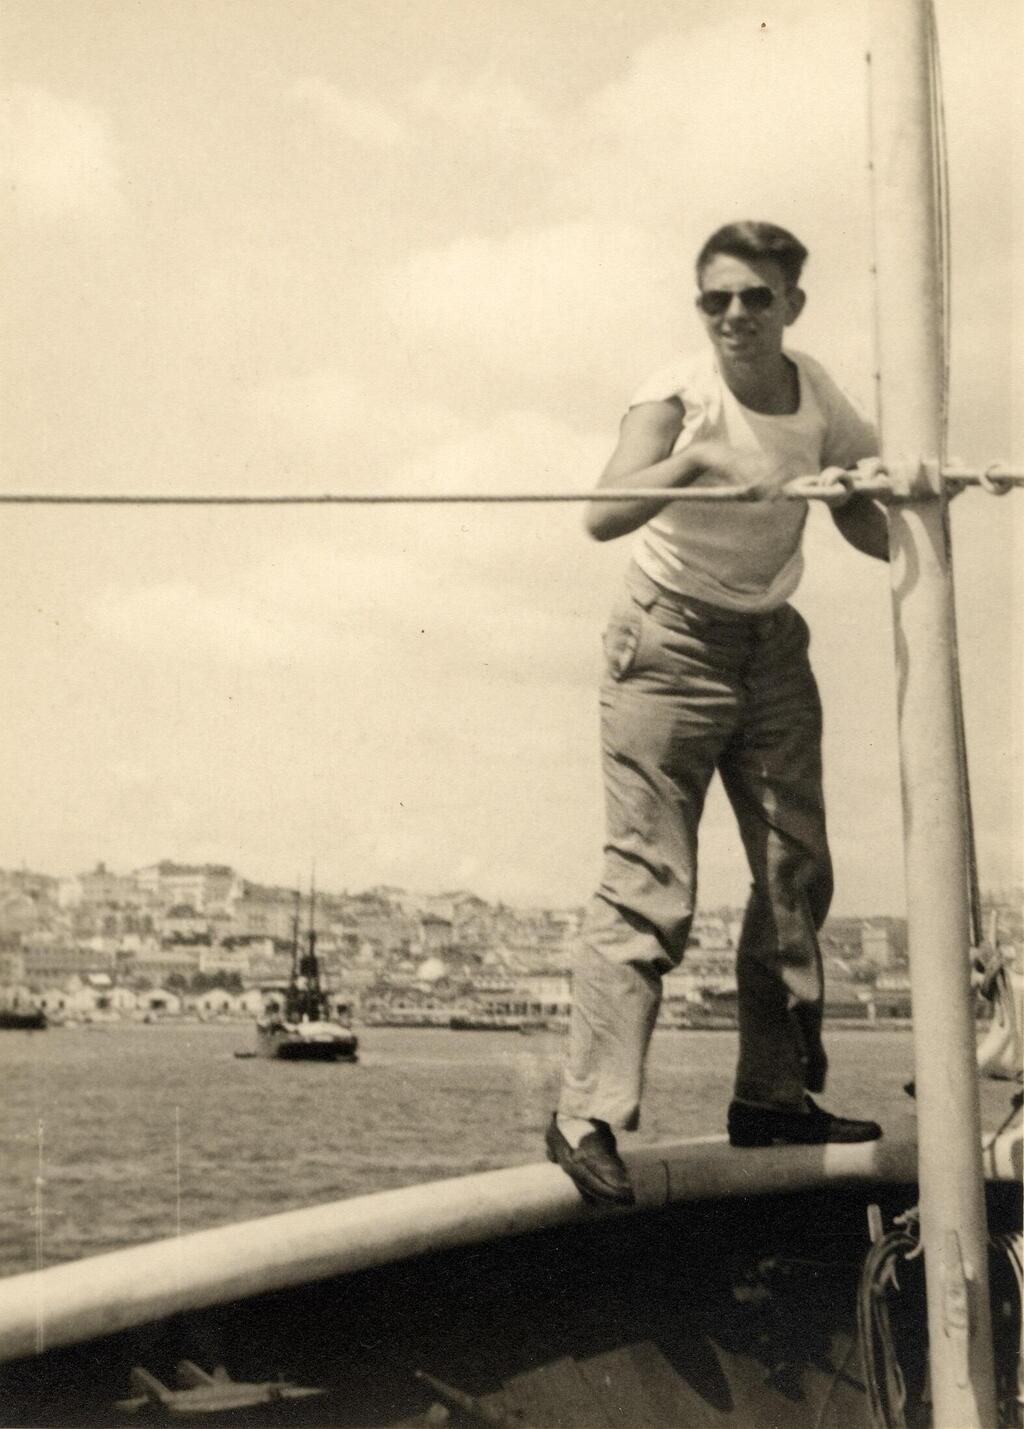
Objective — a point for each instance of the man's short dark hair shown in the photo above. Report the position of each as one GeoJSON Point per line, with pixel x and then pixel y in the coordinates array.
{"type": "Point", "coordinates": [756, 242]}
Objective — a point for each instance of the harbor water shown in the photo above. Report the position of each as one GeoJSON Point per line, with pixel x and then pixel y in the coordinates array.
{"type": "Point", "coordinates": [114, 1134]}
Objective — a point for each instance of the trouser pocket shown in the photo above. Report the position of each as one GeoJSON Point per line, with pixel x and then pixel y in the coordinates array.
{"type": "Point", "coordinates": [622, 639]}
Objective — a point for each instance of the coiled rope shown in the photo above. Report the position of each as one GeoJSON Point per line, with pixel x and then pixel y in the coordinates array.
{"type": "Point", "coordinates": [886, 1387]}
{"type": "Point", "coordinates": [884, 1379]}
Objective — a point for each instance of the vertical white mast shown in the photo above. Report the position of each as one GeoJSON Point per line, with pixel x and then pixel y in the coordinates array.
{"type": "Point", "coordinates": [910, 357]}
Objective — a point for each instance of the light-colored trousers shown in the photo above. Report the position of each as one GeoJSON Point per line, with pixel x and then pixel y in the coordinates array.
{"type": "Point", "coordinates": [690, 688]}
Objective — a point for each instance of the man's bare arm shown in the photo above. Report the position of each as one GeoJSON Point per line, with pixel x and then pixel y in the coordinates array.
{"type": "Point", "coordinates": [644, 458]}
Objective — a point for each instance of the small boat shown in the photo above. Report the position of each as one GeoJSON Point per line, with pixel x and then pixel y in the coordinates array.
{"type": "Point", "coordinates": [16, 1019]}
{"type": "Point", "coordinates": [297, 1037]}
{"type": "Point", "coordinates": [301, 1022]}
{"type": "Point", "coordinates": [483, 1022]}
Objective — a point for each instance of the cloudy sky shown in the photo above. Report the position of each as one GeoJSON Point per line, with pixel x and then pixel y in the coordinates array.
{"type": "Point", "coordinates": [309, 245]}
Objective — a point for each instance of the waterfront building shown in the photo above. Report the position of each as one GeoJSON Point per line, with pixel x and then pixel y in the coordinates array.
{"type": "Point", "coordinates": [876, 944]}
{"type": "Point", "coordinates": [156, 965]}
{"type": "Point", "coordinates": [546, 997]}
{"type": "Point", "coordinates": [121, 999]}
{"type": "Point", "coordinates": [20, 914]}
{"type": "Point", "coordinates": [12, 968]}
{"type": "Point", "coordinates": [369, 917]}
{"type": "Point", "coordinates": [436, 933]}
{"type": "Point", "coordinates": [431, 970]}
{"type": "Point", "coordinates": [540, 999]}
{"type": "Point", "coordinates": [263, 911]}
{"type": "Point", "coordinates": [42, 888]}
{"type": "Point", "coordinates": [203, 887]}
{"type": "Point", "coordinates": [102, 888]}
{"type": "Point", "coordinates": [710, 931]}
{"type": "Point", "coordinates": [849, 999]}
{"type": "Point", "coordinates": [219, 959]}
{"type": "Point", "coordinates": [181, 923]}
{"type": "Point", "coordinates": [267, 967]}
{"type": "Point", "coordinates": [216, 1002]}
{"type": "Point", "coordinates": [160, 1002]}
{"type": "Point", "coordinates": [18, 997]}
{"type": "Point", "coordinates": [52, 1000]}
{"type": "Point", "coordinates": [567, 921]}
{"type": "Point", "coordinates": [681, 987]}
{"type": "Point", "coordinates": [87, 997]}
{"type": "Point", "coordinates": [250, 1002]}
{"type": "Point", "coordinates": [892, 994]}
{"type": "Point", "coordinates": [54, 962]}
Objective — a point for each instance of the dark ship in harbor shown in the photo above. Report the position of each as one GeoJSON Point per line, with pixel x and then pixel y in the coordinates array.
{"type": "Point", "coordinates": [301, 1021]}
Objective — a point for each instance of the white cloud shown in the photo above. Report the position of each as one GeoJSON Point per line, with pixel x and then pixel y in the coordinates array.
{"type": "Point", "coordinates": [318, 406]}
{"type": "Point", "coordinates": [728, 120]}
{"type": "Point", "coordinates": [61, 159]}
{"type": "Point", "coordinates": [484, 106]}
{"type": "Point", "coordinates": [515, 566]}
{"type": "Point", "coordinates": [364, 121]}
{"type": "Point", "coordinates": [722, 121]}
{"type": "Point", "coordinates": [481, 109]}
{"type": "Point", "coordinates": [569, 302]}
{"type": "Point", "coordinates": [474, 591]}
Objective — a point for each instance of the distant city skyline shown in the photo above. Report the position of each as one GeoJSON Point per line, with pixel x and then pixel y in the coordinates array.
{"type": "Point", "coordinates": [1011, 896]}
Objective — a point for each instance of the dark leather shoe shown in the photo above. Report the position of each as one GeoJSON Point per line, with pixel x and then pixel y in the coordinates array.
{"type": "Point", "coordinates": [595, 1166]}
{"type": "Point", "coordinates": [765, 1126]}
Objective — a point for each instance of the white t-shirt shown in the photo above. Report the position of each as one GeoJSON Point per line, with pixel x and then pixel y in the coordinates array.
{"type": "Point", "coordinates": [745, 555]}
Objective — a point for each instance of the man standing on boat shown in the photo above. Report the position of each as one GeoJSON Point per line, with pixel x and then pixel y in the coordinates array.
{"type": "Point", "coordinates": [707, 668]}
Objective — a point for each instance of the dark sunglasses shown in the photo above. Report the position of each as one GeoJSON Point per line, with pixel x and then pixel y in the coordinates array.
{"type": "Point", "coordinates": [715, 300]}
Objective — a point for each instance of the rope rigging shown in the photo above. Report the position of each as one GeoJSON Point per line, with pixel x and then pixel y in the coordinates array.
{"type": "Point", "coordinates": [886, 1379]}
{"type": "Point", "coordinates": [834, 487]}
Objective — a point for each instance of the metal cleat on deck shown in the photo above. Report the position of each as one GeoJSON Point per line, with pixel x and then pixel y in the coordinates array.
{"type": "Point", "coordinates": [202, 1393]}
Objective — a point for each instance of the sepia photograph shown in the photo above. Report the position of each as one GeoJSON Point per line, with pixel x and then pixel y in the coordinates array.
{"type": "Point", "coordinates": [512, 776]}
